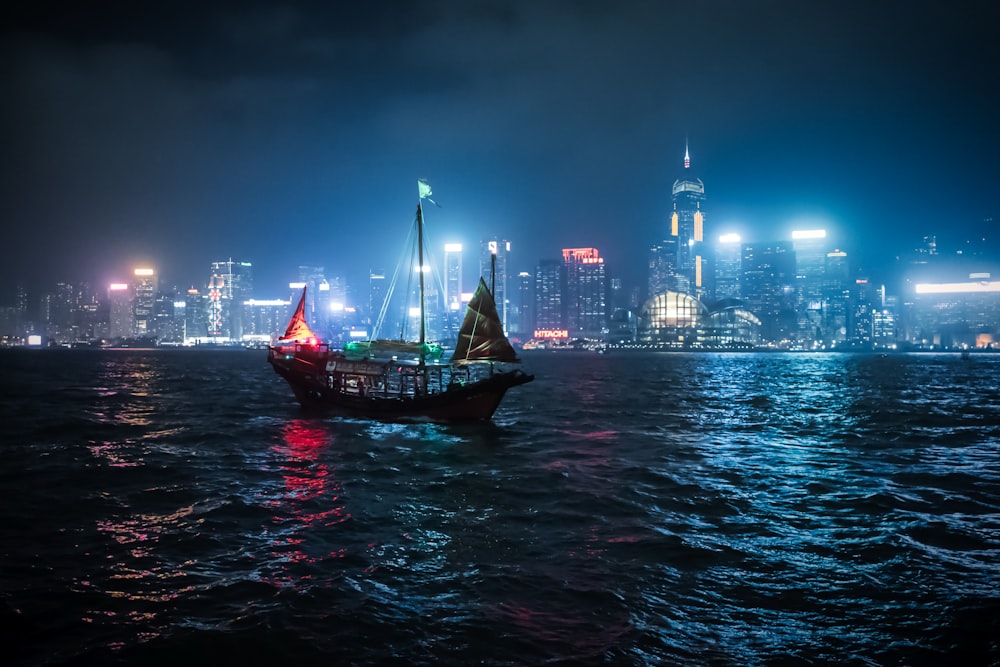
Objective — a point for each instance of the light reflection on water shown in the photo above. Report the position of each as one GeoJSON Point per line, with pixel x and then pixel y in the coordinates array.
{"type": "Point", "coordinates": [309, 503]}
{"type": "Point", "coordinates": [126, 390]}
{"type": "Point", "coordinates": [622, 509]}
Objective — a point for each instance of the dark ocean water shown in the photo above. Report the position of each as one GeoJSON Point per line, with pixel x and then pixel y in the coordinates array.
{"type": "Point", "coordinates": [172, 507]}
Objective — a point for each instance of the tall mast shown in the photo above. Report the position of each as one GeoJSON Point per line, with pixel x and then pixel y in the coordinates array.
{"type": "Point", "coordinates": [493, 269]}
{"type": "Point", "coordinates": [420, 269]}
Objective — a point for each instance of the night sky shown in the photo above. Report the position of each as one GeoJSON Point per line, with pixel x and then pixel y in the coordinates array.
{"type": "Point", "coordinates": [285, 133]}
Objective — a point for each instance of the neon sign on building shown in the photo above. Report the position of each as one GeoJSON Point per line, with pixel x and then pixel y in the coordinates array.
{"type": "Point", "coordinates": [551, 333]}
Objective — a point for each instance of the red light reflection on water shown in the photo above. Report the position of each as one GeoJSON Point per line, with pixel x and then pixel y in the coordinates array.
{"type": "Point", "coordinates": [309, 504]}
{"type": "Point", "coordinates": [303, 443]}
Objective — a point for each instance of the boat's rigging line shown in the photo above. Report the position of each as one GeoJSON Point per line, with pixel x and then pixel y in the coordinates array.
{"type": "Point", "coordinates": [393, 283]}
{"type": "Point", "coordinates": [390, 290]}
{"type": "Point", "coordinates": [475, 326]}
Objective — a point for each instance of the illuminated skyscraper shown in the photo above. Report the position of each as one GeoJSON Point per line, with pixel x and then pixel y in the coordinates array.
{"type": "Point", "coordinates": [122, 319]}
{"type": "Point", "coordinates": [867, 303]}
{"type": "Point", "coordinates": [521, 309]}
{"type": "Point", "coordinates": [196, 315]}
{"type": "Point", "coordinates": [230, 285]}
{"type": "Point", "coordinates": [376, 296]}
{"type": "Point", "coordinates": [21, 299]}
{"type": "Point", "coordinates": [144, 287]}
{"type": "Point", "coordinates": [453, 277]}
{"type": "Point", "coordinates": [769, 287]}
{"type": "Point", "coordinates": [662, 266]}
{"type": "Point", "coordinates": [169, 319]}
{"type": "Point", "coordinates": [266, 318]}
{"type": "Point", "coordinates": [549, 288]}
{"type": "Point", "coordinates": [678, 262]}
{"type": "Point", "coordinates": [687, 225]}
{"type": "Point", "coordinates": [836, 298]}
{"type": "Point", "coordinates": [453, 288]}
{"type": "Point", "coordinates": [217, 306]}
{"type": "Point", "coordinates": [586, 292]}
{"type": "Point", "coordinates": [728, 263]}
{"type": "Point", "coordinates": [58, 310]}
{"type": "Point", "coordinates": [810, 265]}
{"type": "Point", "coordinates": [884, 326]}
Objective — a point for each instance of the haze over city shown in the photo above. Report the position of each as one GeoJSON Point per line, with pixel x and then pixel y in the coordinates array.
{"type": "Point", "coordinates": [290, 133]}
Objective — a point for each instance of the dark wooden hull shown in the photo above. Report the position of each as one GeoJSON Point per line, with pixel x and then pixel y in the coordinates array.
{"type": "Point", "coordinates": [469, 402]}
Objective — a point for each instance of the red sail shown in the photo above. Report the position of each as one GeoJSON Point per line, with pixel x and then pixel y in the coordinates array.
{"type": "Point", "coordinates": [481, 337]}
{"type": "Point", "coordinates": [297, 329]}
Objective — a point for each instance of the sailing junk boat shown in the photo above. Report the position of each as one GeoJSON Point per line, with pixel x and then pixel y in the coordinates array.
{"type": "Point", "coordinates": [395, 380]}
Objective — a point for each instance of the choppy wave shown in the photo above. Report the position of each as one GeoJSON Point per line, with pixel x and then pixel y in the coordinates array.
{"type": "Point", "coordinates": [622, 509]}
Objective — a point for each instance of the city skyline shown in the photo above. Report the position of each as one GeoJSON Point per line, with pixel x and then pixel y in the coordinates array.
{"type": "Point", "coordinates": [471, 263]}
{"type": "Point", "coordinates": [290, 133]}
{"type": "Point", "coordinates": [795, 293]}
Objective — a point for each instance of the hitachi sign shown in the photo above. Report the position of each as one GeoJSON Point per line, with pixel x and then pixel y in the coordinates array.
{"type": "Point", "coordinates": [551, 333]}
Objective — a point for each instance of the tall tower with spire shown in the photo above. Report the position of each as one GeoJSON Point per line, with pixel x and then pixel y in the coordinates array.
{"type": "Point", "coordinates": [678, 262]}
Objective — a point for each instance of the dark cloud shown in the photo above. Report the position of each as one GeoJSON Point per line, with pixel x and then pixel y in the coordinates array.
{"type": "Point", "coordinates": [185, 133]}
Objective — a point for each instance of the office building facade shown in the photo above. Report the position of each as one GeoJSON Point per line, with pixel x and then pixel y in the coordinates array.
{"type": "Point", "coordinates": [586, 293]}
{"type": "Point", "coordinates": [768, 288]}
{"type": "Point", "coordinates": [548, 299]}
